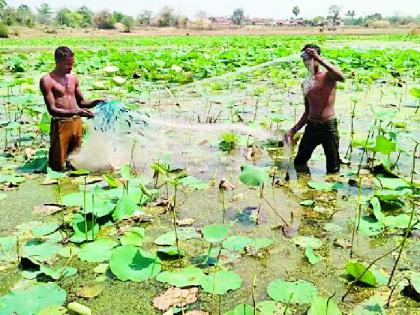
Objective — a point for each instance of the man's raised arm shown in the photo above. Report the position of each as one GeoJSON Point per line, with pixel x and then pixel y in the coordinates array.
{"type": "Point", "coordinates": [334, 73]}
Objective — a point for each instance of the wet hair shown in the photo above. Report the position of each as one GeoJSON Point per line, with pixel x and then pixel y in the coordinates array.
{"type": "Point", "coordinates": [313, 46]}
{"type": "Point", "coordinates": [62, 53]}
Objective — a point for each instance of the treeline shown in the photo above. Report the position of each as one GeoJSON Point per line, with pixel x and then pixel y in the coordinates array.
{"type": "Point", "coordinates": [83, 17]}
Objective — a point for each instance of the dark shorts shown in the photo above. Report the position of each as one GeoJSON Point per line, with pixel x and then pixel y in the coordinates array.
{"type": "Point", "coordinates": [316, 133]}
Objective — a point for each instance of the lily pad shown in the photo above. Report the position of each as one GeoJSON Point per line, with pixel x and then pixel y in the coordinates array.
{"type": "Point", "coordinates": [253, 176]}
{"type": "Point", "coordinates": [237, 243]}
{"type": "Point", "coordinates": [297, 292]}
{"type": "Point", "coordinates": [80, 227]}
{"type": "Point", "coordinates": [355, 269]}
{"type": "Point", "coordinates": [372, 306]}
{"type": "Point", "coordinates": [133, 237]}
{"type": "Point", "coordinates": [189, 276]}
{"type": "Point", "coordinates": [125, 207]}
{"type": "Point", "coordinates": [305, 241]}
{"type": "Point", "coordinates": [169, 239]}
{"type": "Point", "coordinates": [131, 263]}
{"type": "Point", "coordinates": [310, 254]}
{"type": "Point", "coordinates": [32, 299]}
{"type": "Point", "coordinates": [215, 233]}
{"type": "Point", "coordinates": [322, 305]}
{"type": "Point", "coordinates": [220, 282]}
{"type": "Point", "coordinates": [193, 182]}
{"type": "Point", "coordinates": [98, 251]}
{"type": "Point", "coordinates": [58, 273]}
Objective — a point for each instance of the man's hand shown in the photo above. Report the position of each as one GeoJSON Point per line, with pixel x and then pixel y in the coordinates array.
{"type": "Point", "coordinates": [84, 113]}
{"type": "Point", "coordinates": [288, 137]}
{"type": "Point", "coordinates": [96, 102]}
{"type": "Point", "coordinates": [313, 54]}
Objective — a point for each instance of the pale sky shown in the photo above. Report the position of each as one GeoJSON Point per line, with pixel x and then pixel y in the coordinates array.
{"type": "Point", "coordinates": [253, 8]}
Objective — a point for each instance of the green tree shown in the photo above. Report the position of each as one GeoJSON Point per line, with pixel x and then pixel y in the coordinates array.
{"type": "Point", "coordinates": [334, 13]}
{"type": "Point", "coordinates": [104, 20]}
{"type": "Point", "coordinates": [238, 16]}
{"type": "Point", "coordinates": [44, 13]}
{"type": "Point", "coordinates": [145, 18]}
{"type": "Point", "coordinates": [87, 16]}
{"type": "Point", "coordinates": [9, 16]}
{"type": "Point", "coordinates": [167, 17]}
{"type": "Point", "coordinates": [118, 17]}
{"type": "Point", "coordinates": [24, 16]}
{"type": "Point", "coordinates": [63, 17]}
{"type": "Point", "coordinates": [128, 22]}
{"type": "Point", "coordinates": [296, 11]}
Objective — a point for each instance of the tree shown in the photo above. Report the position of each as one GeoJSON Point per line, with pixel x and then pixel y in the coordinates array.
{"type": "Point", "coordinates": [334, 13]}
{"type": "Point", "coordinates": [64, 17]}
{"type": "Point", "coordinates": [145, 18]}
{"type": "Point", "coordinates": [44, 13]}
{"type": "Point", "coordinates": [87, 16]}
{"type": "Point", "coordinates": [117, 17]}
{"type": "Point", "coordinates": [104, 20]}
{"type": "Point", "coordinates": [167, 17]}
{"type": "Point", "coordinates": [351, 14]}
{"type": "Point", "coordinates": [9, 16]}
{"type": "Point", "coordinates": [296, 11]}
{"type": "Point", "coordinates": [238, 16]}
{"type": "Point", "coordinates": [128, 22]}
{"type": "Point", "coordinates": [24, 16]}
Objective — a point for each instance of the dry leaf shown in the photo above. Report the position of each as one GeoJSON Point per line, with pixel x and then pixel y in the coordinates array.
{"type": "Point", "coordinates": [46, 209]}
{"type": "Point", "coordinates": [161, 202]}
{"type": "Point", "coordinates": [49, 181]}
{"type": "Point", "coordinates": [185, 222]}
{"type": "Point", "coordinates": [175, 297]}
{"type": "Point", "coordinates": [197, 312]}
{"type": "Point", "coordinates": [253, 153]}
{"type": "Point", "coordinates": [225, 185]}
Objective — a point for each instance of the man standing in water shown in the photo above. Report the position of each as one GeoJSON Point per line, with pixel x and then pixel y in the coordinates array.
{"type": "Point", "coordinates": [66, 105]}
{"type": "Point", "coordinates": [319, 117]}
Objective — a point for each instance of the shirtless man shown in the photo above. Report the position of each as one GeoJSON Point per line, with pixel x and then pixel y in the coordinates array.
{"type": "Point", "coordinates": [66, 105]}
{"type": "Point", "coordinates": [319, 115]}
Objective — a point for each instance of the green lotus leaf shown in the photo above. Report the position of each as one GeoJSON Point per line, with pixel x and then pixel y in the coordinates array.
{"type": "Point", "coordinates": [131, 263]}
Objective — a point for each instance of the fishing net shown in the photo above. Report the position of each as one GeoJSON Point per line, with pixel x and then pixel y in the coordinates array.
{"type": "Point", "coordinates": [113, 116]}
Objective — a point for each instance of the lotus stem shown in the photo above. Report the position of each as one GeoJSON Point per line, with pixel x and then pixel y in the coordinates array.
{"type": "Point", "coordinates": [174, 222]}
{"type": "Point", "coordinates": [84, 208]}
{"type": "Point", "coordinates": [254, 301]}
{"type": "Point", "coordinates": [222, 193]}
{"type": "Point", "coordinates": [357, 214]}
{"type": "Point", "coordinates": [409, 226]}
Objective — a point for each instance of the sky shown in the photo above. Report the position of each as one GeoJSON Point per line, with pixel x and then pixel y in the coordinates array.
{"type": "Point", "coordinates": [253, 8]}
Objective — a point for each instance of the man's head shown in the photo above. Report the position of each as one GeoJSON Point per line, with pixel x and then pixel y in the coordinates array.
{"type": "Point", "coordinates": [307, 60]}
{"type": "Point", "coordinates": [64, 59]}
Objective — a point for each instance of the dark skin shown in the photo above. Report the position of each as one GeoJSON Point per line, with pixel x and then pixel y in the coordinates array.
{"type": "Point", "coordinates": [319, 102]}
{"type": "Point", "coordinates": [61, 91]}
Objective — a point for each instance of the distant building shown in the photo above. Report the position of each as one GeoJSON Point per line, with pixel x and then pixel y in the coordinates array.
{"type": "Point", "coordinates": [262, 21]}
{"type": "Point", "coordinates": [221, 21]}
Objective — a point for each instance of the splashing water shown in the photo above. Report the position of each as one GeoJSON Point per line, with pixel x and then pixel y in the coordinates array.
{"type": "Point", "coordinates": [118, 136]}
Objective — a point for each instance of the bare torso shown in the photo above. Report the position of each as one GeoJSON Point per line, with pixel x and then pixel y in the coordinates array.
{"type": "Point", "coordinates": [321, 98]}
{"type": "Point", "coordinates": [64, 91]}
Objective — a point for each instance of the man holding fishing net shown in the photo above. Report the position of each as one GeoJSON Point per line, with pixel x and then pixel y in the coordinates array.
{"type": "Point", "coordinates": [319, 91]}
{"type": "Point", "coordinates": [66, 105]}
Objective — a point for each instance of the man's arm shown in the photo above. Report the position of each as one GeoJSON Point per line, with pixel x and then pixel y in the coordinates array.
{"type": "Point", "coordinates": [50, 102]}
{"type": "Point", "coordinates": [80, 100]}
{"type": "Point", "coordinates": [334, 73]}
{"type": "Point", "coordinates": [302, 121]}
